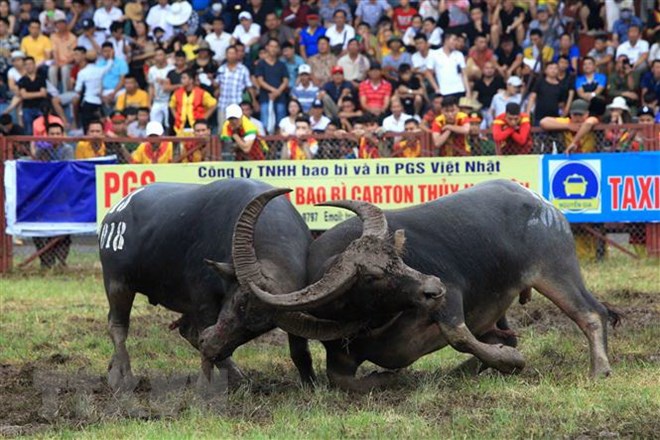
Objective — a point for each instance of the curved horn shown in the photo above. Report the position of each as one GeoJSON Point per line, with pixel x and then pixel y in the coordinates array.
{"type": "Point", "coordinates": [311, 327]}
{"type": "Point", "coordinates": [375, 223]}
{"type": "Point", "coordinates": [244, 255]}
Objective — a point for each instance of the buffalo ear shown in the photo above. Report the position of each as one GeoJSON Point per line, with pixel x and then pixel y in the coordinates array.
{"type": "Point", "coordinates": [226, 270]}
{"type": "Point", "coordinates": [399, 241]}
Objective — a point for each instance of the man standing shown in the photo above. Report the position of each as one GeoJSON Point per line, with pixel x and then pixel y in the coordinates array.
{"type": "Point", "coordinates": [113, 79]}
{"type": "Point", "coordinates": [371, 11]}
{"type": "Point", "coordinates": [104, 17]}
{"type": "Point", "coordinates": [32, 89]}
{"type": "Point", "coordinates": [322, 63]}
{"type": "Point", "coordinates": [37, 45]}
{"type": "Point", "coordinates": [395, 123]}
{"type": "Point", "coordinates": [302, 146]}
{"type": "Point", "coordinates": [196, 152]}
{"type": "Point", "coordinates": [576, 129]}
{"type": "Point", "coordinates": [636, 49]}
{"type": "Point", "coordinates": [189, 104]}
{"type": "Point", "coordinates": [546, 96]}
{"type": "Point", "coordinates": [509, 95]}
{"type": "Point", "coordinates": [275, 29]}
{"type": "Point", "coordinates": [305, 92]}
{"type": "Point", "coordinates": [375, 92]}
{"type": "Point", "coordinates": [90, 79]}
{"type": "Point", "coordinates": [273, 80]}
{"type": "Point", "coordinates": [340, 33]}
{"type": "Point", "coordinates": [446, 70]}
{"type": "Point", "coordinates": [354, 64]}
{"type": "Point", "coordinates": [450, 129]}
{"type": "Point", "coordinates": [218, 40]}
{"type": "Point", "coordinates": [132, 96]}
{"type": "Point", "coordinates": [158, 95]}
{"type": "Point", "coordinates": [512, 131]}
{"type": "Point", "coordinates": [63, 42]}
{"type": "Point", "coordinates": [243, 135]}
{"type": "Point", "coordinates": [233, 78]}
{"type": "Point", "coordinates": [309, 36]}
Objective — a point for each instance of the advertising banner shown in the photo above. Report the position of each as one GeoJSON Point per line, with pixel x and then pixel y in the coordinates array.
{"type": "Point", "coordinates": [389, 183]}
{"type": "Point", "coordinates": [615, 187]}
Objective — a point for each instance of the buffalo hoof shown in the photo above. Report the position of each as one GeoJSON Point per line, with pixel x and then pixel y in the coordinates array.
{"type": "Point", "coordinates": [121, 379]}
{"type": "Point", "coordinates": [601, 373]}
{"type": "Point", "coordinates": [507, 360]}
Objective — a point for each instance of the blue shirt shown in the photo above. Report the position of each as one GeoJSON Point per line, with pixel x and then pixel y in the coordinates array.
{"type": "Point", "coordinates": [311, 41]}
{"type": "Point", "coordinates": [621, 27]}
{"type": "Point", "coordinates": [113, 76]}
{"type": "Point", "coordinates": [599, 79]}
{"type": "Point", "coordinates": [306, 96]}
{"type": "Point", "coordinates": [648, 82]}
{"type": "Point", "coordinates": [292, 68]}
{"type": "Point", "coordinates": [573, 52]}
{"type": "Point", "coordinates": [389, 61]}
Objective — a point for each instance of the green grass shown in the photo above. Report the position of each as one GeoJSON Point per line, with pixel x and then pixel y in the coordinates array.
{"type": "Point", "coordinates": [56, 323]}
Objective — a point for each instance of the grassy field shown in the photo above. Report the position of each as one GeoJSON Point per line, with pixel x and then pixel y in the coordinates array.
{"type": "Point", "coordinates": [52, 328]}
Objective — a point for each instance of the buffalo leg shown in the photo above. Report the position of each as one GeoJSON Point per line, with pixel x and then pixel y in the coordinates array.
{"type": "Point", "coordinates": [590, 315]}
{"type": "Point", "coordinates": [302, 359]}
{"type": "Point", "coordinates": [120, 298]}
{"type": "Point", "coordinates": [450, 319]}
{"type": "Point", "coordinates": [342, 368]}
{"type": "Point", "coordinates": [501, 333]}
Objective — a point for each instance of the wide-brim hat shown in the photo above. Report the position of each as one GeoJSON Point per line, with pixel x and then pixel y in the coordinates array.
{"type": "Point", "coordinates": [470, 103]}
{"type": "Point", "coordinates": [179, 13]}
{"type": "Point", "coordinates": [204, 46]}
{"type": "Point", "coordinates": [619, 103]}
{"type": "Point", "coordinates": [134, 11]}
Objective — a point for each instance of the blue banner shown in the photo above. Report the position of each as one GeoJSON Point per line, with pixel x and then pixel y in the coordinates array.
{"type": "Point", "coordinates": [612, 187]}
{"type": "Point", "coordinates": [51, 198]}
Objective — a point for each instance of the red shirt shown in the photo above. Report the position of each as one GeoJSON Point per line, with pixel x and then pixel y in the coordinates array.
{"type": "Point", "coordinates": [480, 58]}
{"type": "Point", "coordinates": [403, 19]}
{"type": "Point", "coordinates": [512, 141]}
{"type": "Point", "coordinates": [375, 95]}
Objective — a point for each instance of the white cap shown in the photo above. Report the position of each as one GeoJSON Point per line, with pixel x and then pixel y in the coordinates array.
{"type": "Point", "coordinates": [304, 68]}
{"type": "Point", "coordinates": [514, 81]}
{"type": "Point", "coordinates": [244, 15]}
{"type": "Point", "coordinates": [619, 103]}
{"type": "Point", "coordinates": [155, 128]}
{"type": "Point", "coordinates": [17, 54]}
{"type": "Point", "coordinates": [234, 111]}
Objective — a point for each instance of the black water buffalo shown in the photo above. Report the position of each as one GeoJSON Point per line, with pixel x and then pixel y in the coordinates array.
{"type": "Point", "coordinates": [155, 242]}
{"type": "Point", "coordinates": [487, 245]}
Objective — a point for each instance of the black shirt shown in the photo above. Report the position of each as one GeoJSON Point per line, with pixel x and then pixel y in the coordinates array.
{"type": "Point", "coordinates": [472, 32]}
{"type": "Point", "coordinates": [174, 77]}
{"type": "Point", "coordinates": [508, 18]}
{"type": "Point", "coordinates": [273, 75]}
{"type": "Point", "coordinates": [15, 130]}
{"type": "Point", "coordinates": [548, 97]}
{"type": "Point", "coordinates": [35, 85]}
{"type": "Point", "coordinates": [507, 60]}
{"type": "Point", "coordinates": [408, 102]}
{"type": "Point", "coordinates": [487, 91]}
{"type": "Point", "coordinates": [260, 17]}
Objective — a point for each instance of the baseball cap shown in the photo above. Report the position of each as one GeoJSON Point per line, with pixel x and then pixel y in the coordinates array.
{"type": "Point", "coordinates": [155, 128]}
{"type": "Point", "coordinates": [317, 103]}
{"type": "Point", "coordinates": [245, 15]}
{"type": "Point", "coordinates": [87, 24]}
{"type": "Point", "coordinates": [514, 81]}
{"type": "Point", "coordinates": [117, 117]}
{"type": "Point", "coordinates": [542, 8]}
{"type": "Point", "coordinates": [645, 111]}
{"type": "Point", "coordinates": [337, 69]}
{"type": "Point", "coordinates": [375, 66]}
{"type": "Point", "coordinates": [474, 117]}
{"type": "Point", "coordinates": [304, 68]}
{"type": "Point", "coordinates": [17, 54]}
{"type": "Point", "coordinates": [579, 106]}
{"type": "Point", "coordinates": [234, 111]}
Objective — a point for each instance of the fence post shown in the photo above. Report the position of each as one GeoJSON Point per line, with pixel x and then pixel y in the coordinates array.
{"type": "Point", "coordinates": [6, 242]}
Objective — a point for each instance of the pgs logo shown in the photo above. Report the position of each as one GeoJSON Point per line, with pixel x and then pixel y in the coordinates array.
{"type": "Point", "coordinates": [575, 185]}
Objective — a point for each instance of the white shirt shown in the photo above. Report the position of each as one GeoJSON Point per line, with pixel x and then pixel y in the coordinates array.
{"type": "Point", "coordinates": [287, 128]}
{"type": "Point", "coordinates": [219, 45]}
{"type": "Point", "coordinates": [633, 52]}
{"type": "Point", "coordinates": [260, 127]}
{"type": "Point", "coordinates": [654, 53]}
{"type": "Point", "coordinates": [435, 39]}
{"type": "Point", "coordinates": [420, 62]}
{"type": "Point", "coordinates": [103, 19]}
{"type": "Point", "coordinates": [91, 77]}
{"type": "Point", "coordinates": [245, 36]}
{"type": "Point", "coordinates": [156, 73]}
{"type": "Point", "coordinates": [342, 37]}
{"type": "Point", "coordinates": [354, 70]}
{"type": "Point", "coordinates": [446, 68]}
{"type": "Point", "coordinates": [43, 16]}
{"type": "Point", "coordinates": [14, 74]}
{"type": "Point", "coordinates": [157, 18]}
{"type": "Point", "coordinates": [394, 125]}
{"type": "Point", "coordinates": [409, 36]}
{"type": "Point", "coordinates": [119, 47]}
{"type": "Point", "coordinates": [321, 124]}
{"type": "Point", "coordinates": [86, 42]}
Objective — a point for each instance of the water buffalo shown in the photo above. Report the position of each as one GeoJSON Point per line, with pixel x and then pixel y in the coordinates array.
{"type": "Point", "coordinates": [488, 245]}
{"type": "Point", "coordinates": [155, 242]}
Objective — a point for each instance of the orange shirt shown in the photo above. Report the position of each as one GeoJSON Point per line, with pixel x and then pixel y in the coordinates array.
{"type": "Point", "coordinates": [146, 154]}
{"type": "Point", "coordinates": [456, 143]}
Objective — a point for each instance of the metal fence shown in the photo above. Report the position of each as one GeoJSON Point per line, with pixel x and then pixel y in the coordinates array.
{"type": "Point", "coordinates": [596, 240]}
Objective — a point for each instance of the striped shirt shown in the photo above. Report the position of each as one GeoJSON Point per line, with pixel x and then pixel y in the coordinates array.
{"type": "Point", "coordinates": [375, 95]}
{"type": "Point", "coordinates": [232, 83]}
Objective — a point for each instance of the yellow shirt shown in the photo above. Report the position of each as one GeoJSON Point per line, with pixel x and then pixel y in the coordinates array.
{"type": "Point", "coordinates": [189, 50]}
{"type": "Point", "coordinates": [586, 145]}
{"type": "Point", "coordinates": [547, 53]}
{"type": "Point", "coordinates": [36, 49]}
{"type": "Point", "coordinates": [139, 99]}
{"type": "Point", "coordinates": [145, 154]}
{"type": "Point", "coordinates": [84, 150]}
{"type": "Point", "coordinates": [184, 111]}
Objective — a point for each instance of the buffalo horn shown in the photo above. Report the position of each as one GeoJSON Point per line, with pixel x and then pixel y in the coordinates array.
{"type": "Point", "coordinates": [311, 327]}
{"type": "Point", "coordinates": [373, 218]}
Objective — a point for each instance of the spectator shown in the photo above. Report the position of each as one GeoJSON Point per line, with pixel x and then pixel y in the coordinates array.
{"type": "Point", "coordinates": [512, 131]}
{"type": "Point", "coordinates": [295, 14]}
{"type": "Point", "coordinates": [132, 96]}
{"type": "Point", "coordinates": [422, 56]}
{"type": "Point", "coordinates": [113, 78]}
{"type": "Point", "coordinates": [646, 115]}
{"type": "Point", "coordinates": [602, 53]}
{"type": "Point", "coordinates": [538, 51]}
{"type": "Point", "coordinates": [375, 92]}
{"type": "Point", "coordinates": [340, 33]}
{"type": "Point", "coordinates": [150, 153]}
{"type": "Point", "coordinates": [371, 11]}
{"type": "Point", "coordinates": [305, 92]}
{"type": "Point", "coordinates": [566, 81]}
{"type": "Point", "coordinates": [395, 123]}
{"type": "Point", "coordinates": [636, 49]}
{"type": "Point", "coordinates": [395, 59]}
{"type": "Point", "coordinates": [654, 52]}
{"type": "Point", "coordinates": [478, 56]}
{"type": "Point", "coordinates": [624, 23]}
{"type": "Point", "coordinates": [623, 81]}
{"type": "Point", "coordinates": [88, 39]}
{"type": "Point", "coordinates": [355, 65]}
{"type": "Point", "coordinates": [576, 128]}
{"type": "Point", "coordinates": [63, 42]}
{"type": "Point", "coordinates": [8, 44]}
{"type": "Point", "coordinates": [138, 128]}
{"type": "Point", "coordinates": [317, 119]}
{"type": "Point", "coordinates": [233, 78]}
{"type": "Point", "coordinates": [479, 143]}
{"type": "Point", "coordinates": [8, 127]}
{"type": "Point", "coordinates": [590, 84]}
{"type": "Point", "coordinates": [90, 79]}
{"type": "Point", "coordinates": [510, 21]}
{"type": "Point", "coordinates": [620, 139]}
{"type": "Point", "coordinates": [115, 126]}
{"type": "Point", "coordinates": [9, 15]}
{"type": "Point", "coordinates": [651, 79]}
{"type": "Point", "coordinates": [159, 97]}
{"type": "Point", "coordinates": [194, 151]}
{"type": "Point", "coordinates": [33, 93]}
{"type": "Point", "coordinates": [509, 57]}
{"type": "Point", "coordinates": [402, 16]}
{"type": "Point", "coordinates": [157, 18]}
{"type": "Point", "coordinates": [367, 147]}
{"type": "Point", "coordinates": [429, 9]}
{"type": "Point", "coordinates": [52, 151]}
{"type": "Point", "coordinates": [120, 43]}
{"type": "Point", "coordinates": [478, 25]}
{"type": "Point", "coordinates": [273, 80]}
{"type": "Point", "coordinates": [348, 114]}
{"type": "Point", "coordinates": [368, 41]}
{"type": "Point", "coordinates": [242, 133]}
{"type": "Point", "coordinates": [80, 13]}
{"type": "Point", "coordinates": [275, 29]}
{"type": "Point", "coordinates": [302, 146]}
{"type": "Point", "coordinates": [246, 32]}
{"type": "Point", "coordinates": [309, 36]}
{"type": "Point", "coordinates": [410, 145]}
{"type": "Point", "coordinates": [204, 66]}
{"type": "Point", "coordinates": [450, 129]}
{"type": "Point", "coordinates": [104, 17]}
{"type": "Point", "coordinates": [413, 30]}
{"type": "Point", "coordinates": [174, 75]}
{"type": "Point", "coordinates": [568, 50]}
{"type": "Point", "coordinates": [50, 16]}
{"type": "Point", "coordinates": [510, 94]}
{"type": "Point", "coordinates": [260, 10]}
{"type": "Point", "coordinates": [433, 112]}
{"type": "Point", "coordinates": [292, 61]}
{"type": "Point", "coordinates": [552, 29]}
{"type": "Point", "coordinates": [47, 117]}
{"type": "Point", "coordinates": [448, 66]}
{"type": "Point", "coordinates": [550, 91]}
{"type": "Point", "coordinates": [432, 32]}
{"type": "Point", "coordinates": [488, 86]}
{"type": "Point", "coordinates": [95, 147]}
{"type": "Point", "coordinates": [37, 45]}
{"type": "Point", "coordinates": [246, 106]}
{"type": "Point", "coordinates": [322, 63]}
{"type": "Point", "coordinates": [287, 125]}
{"type": "Point", "coordinates": [218, 39]}
{"type": "Point", "coordinates": [189, 104]}
{"type": "Point", "coordinates": [328, 8]}
{"type": "Point", "coordinates": [454, 15]}
{"type": "Point", "coordinates": [409, 90]}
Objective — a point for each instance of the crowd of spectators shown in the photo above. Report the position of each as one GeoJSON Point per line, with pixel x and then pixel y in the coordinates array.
{"type": "Point", "coordinates": [242, 69]}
